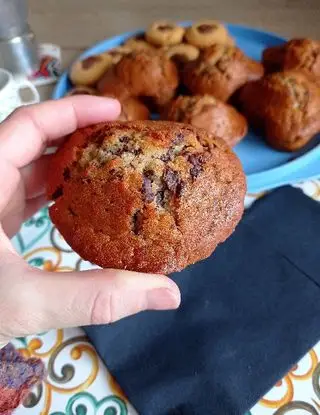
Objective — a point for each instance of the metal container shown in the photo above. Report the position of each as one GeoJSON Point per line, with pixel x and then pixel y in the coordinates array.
{"type": "Point", "coordinates": [19, 54]}
{"type": "Point", "coordinates": [18, 46]}
{"type": "Point", "coordinates": [13, 18]}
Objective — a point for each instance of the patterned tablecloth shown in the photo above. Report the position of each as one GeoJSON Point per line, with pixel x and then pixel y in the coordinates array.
{"type": "Point", "coordinates": [78, 383]}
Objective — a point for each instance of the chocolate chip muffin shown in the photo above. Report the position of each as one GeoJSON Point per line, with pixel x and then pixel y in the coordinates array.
{"type": "Point", "coordinates": [215, 116]}
{"type": "Point", "coordinates": [220, 71]}
{"type": "Point", "coordinates": [146, 196]}
{"type": "Point", "coordinates": [110, 85]}
{"type": "Point", "coordinates": [286, 106]}
{"type": "Point", "coordinates": [145, 74]}
{"type": "Point", "coordinates": [302, 54]}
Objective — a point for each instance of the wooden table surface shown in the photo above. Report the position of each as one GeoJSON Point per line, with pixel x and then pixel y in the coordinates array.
{"type": "Point", "coordinates": [77, 24]}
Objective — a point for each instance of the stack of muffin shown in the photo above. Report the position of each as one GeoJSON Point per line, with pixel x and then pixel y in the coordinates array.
{"type": "Point", "coordinates": [192, 75]}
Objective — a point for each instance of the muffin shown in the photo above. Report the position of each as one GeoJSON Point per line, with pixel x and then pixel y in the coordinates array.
{"type": "Point", "coordinates": [288, 108]}
{"type": "Point", "coordinates": [87, 72]}
{"type": "Point", "coordinates": [110, 85]}
{"type": "Point", "coordinates": [133, 109]}
{"type": "Point", "coordinates": [206, 33]}
{"type": "Point", "coordinates": [142, 74]}
{"type": "Point", "coordinates": [148, 74]}
{"type": "Point", "coordinates": [215, 116]}
{"type": "Point", "coordinates": [302, 54]}
{"type": "Point", "coordinates": [146, 196]}
{"type": "Point", "coordinates": [220, 71]}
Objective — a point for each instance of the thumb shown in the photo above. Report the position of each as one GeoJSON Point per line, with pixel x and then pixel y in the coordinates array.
{"type": "Point", "coordinates": [100, 296]}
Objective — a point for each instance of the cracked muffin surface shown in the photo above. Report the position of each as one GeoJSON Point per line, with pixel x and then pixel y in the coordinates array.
{"type": "Point", "coordinates": [207, 112]}
{"type": "Point", "coordinates": [288, 111]}
{"type": "Point", "coordinates": [143, 74]}
{"type": "Point", "coordinates": [300, 54]}
{"type": "Point", "coordinates": [220, 71]}
{"type": "Point", "coordinates": [147, 196]}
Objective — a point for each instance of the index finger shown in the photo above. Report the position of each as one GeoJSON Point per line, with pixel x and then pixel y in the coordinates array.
{"type": "Point", "coordinates": [25, 134]}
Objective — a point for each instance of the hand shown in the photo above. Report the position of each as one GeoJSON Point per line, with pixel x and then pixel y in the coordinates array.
{"type": "Point", "coordinates": [32, 300]}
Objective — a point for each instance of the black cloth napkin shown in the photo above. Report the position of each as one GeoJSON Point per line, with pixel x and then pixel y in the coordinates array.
{"type": "Point", "coordinates": [248, 314]}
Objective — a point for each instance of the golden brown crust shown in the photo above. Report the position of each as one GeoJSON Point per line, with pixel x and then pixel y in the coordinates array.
{"type": "Point", "coordinates": [164, 33]}
{"type": "Point", "coordinates": [220, 71]}
{"type": "Point", "coordinates": [206, 33]}
{"type": "Point", "coordinates": [88, 71]}
{"type": "Point", "coordinates": [302, 54]}
{"type": "Point", "coordinates": [135, 43]}
{"type": "Point", "coordinates": [146, 196]}
{"type": "Point", "coordinates": [110, 85]}
{"type": "Point", "coordinates": [142, 74]}
{"type": "Point", "coordinates": [182, 53]}
{"type": "Point", "coordinates": [288, 108]}
{"type": "Point", "coordinates": [207, 112]}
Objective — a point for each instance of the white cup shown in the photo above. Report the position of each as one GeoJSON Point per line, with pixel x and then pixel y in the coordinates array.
{"type": "Point", "coordinates": [10, 98]}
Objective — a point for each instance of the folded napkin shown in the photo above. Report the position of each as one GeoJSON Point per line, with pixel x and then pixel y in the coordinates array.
{"type": "Point", "coordinates": [248, 314]}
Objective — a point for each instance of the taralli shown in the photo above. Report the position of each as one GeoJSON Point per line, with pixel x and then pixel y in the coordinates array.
{"type": "Point", "coordinates": [82, 90]}
{"type": "Point", "coordinates": [164, 33]}
{"type": "Point", "coordinates": [88, 71]}
{"type": "Point", "coordinates": [138, 44]}
{"type": "Point", "coordinates": [117, 54]}
{"type": "Point", "coordinates": [182, 53]}
{"type": "Point", "coordinates": [206, 33]}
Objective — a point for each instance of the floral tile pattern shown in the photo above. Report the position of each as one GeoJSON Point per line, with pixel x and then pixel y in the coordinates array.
{"type": "Point", "coordinates": [78, 383]}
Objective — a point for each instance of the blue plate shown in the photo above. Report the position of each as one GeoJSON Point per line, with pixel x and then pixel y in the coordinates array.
{"type": "Point", "coordinates": [265, 167]}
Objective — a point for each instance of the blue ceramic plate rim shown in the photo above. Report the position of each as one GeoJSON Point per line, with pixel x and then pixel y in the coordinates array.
{"type": "Point", "coordinates": [267, 179]}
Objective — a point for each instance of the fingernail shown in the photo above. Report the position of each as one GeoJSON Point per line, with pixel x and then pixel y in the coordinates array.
{"type": "Point", "coordinates": [163, 299]}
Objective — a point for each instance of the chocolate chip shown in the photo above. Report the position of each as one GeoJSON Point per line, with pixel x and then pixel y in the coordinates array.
{"type": "Point", "coordinates": [149, 174]}
{"type": "Point", "coordinates": [137, 151]}
{"type": "Point", "coordinates": [57, 193]}
{"type": "Point", "coordinates": [66, 174]}
{"type": "Point", "coordinates": [88, 62]}
{"type": "Point", "coordinates": [124, 139]}
{"type": "Point", "coordinates": [206, 28]}
{"type": "Point", "coordinates": [196, 160]}
{"type": "Point", "coordinates": [160, 198]}
{"type": "Point", "coordinates": [147, 190]}
{"type": "Point", "coordinates": [116, 174]}
{"type": "Point", "coordinates": [179, 138]}
{"type": "Point", "coordinates": [137, 220]}
{"type": "Point", "coordinates": [165, 28]}
{"type": "Point", "coordinates": [173, 181]}
{"type": "Point", "coordinates": [167, 156]}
